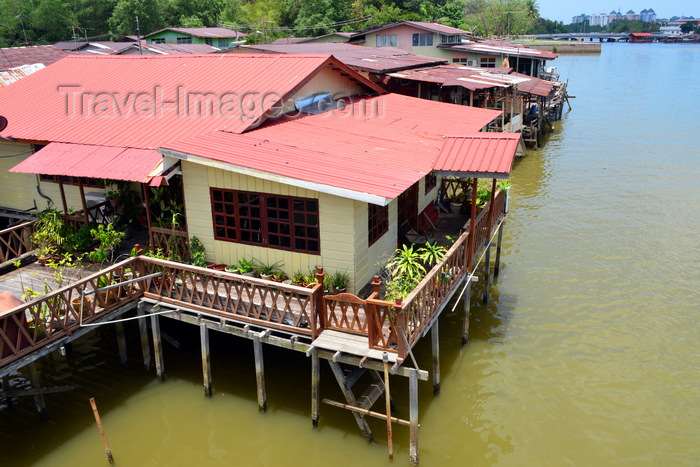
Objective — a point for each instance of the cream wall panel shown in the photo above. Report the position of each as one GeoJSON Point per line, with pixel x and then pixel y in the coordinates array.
{"type": "Point", "coordinates": [368, 261]}
{"type": "Point", "coordinates": [18, 191]}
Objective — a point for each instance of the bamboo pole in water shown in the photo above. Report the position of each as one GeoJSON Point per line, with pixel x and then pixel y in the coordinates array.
{"type": "Point", "coordinates": [387, 399]}
{"type": "Point", "coordinates": [102, 431]}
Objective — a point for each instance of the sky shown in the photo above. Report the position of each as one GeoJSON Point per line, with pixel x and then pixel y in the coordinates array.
{"type": "Point", "coordinates": [564, 10]}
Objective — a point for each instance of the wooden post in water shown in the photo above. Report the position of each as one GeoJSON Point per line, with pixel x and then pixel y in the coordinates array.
{"type": "Point", "coordinates": [102, 431]}
{"type": "Point", "coordinates": [260, 372]}
{"type": "Point", "coordinates": [143, 330]}
{"type": "Point", "coordinates": [38, 398]}
{"type": "Point", "coordinates": [497, 266]}
{"type": "Point", "coordinates": [435, 337]}
{"type": "Point", "coordinates": [387, 399]}
{"type": "Point", "coordinates": [467, 305]}
{"type": "Point", "coordinates": [121, 343]}
{"type": "Point", "coordinates": [413, 415]}
{"type": "Point", "coordinates": [206, 360]}
{"type": "Point", "coordinates": [487, 272]}
{"type": "Point", "coordinates": [315, 382]}
{"type": "Point", "coordinates": [157, 347]}
{"type": "Point", "coordinates": [5, 388]}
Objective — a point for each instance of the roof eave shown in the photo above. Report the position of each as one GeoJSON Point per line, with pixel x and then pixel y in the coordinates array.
{"type": "Point", "coordinates": [319, 187]}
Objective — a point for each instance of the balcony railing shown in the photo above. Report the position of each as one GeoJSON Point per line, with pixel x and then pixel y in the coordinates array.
{"type": "Point", "coordinates": [390, 326]}
{"type": "Point", "coordinates": [59, 313]}
{"type": "Point", "coordinates": [15, 241]}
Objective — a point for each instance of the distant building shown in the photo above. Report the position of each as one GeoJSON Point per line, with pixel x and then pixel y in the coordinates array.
{"type": "Point", "coordinates": [648, 15]}
{"type": "Point", "coordinates": [670, 31]}
{"type": "Point", "coordinates": [600, 19]}
{"type": "Point", "coordinates": [582, 18]}
{"type": "Point", "coordinates": [217, 37]}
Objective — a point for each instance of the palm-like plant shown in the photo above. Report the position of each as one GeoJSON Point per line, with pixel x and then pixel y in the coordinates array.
{"type": "Point", "coordinates": [406, 263]}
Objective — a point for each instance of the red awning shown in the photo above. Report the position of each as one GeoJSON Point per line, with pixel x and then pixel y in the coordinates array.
{"type": "Point", "coordinates": [85, 160]}
{"type": "Point", "coordinates": [486, 155]}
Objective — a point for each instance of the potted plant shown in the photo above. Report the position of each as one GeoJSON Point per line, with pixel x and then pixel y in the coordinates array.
{"type": "Point", "coordinates": [108, 239]}
{"type": "Point", "coordinates": [298, 278]}
{"type": "Point", "coordinates": [265, 271]}
{"type": "Point", "coordinates": [246, 267]}
{"type": "Point", "coordinates": [339, 281]}
{"type": "Point", "coordinates": [198, 257]}
{"type": "Point", "coordinates": [50, 231]}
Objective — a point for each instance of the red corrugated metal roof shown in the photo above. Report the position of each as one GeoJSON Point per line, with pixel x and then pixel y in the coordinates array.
{"type": "Point", "coordinates": [11, 57]}
{"type": "Point", "coordinates": [376, 60]}
{"type": "Point", "coordinates": [82, 160]}
{"type": "Point", "coordinates": [491, 47]}
{"type": "Point", "coordinates": [471, 78]}
{"type": "Point", "coordinates": [204, 32]}
{"type": "Point", "coordinates": [350, 152]}
{"type": "Point", "coordinates": [434, 27]}
{"type": "Point", "coordinates": [38, 110]}
{"type": "Point", "coordinates": [536, 86]}
{"type": "Point", "coordinates": [488, 154]}
{"type": "Point", "coordinates": [14, 74]}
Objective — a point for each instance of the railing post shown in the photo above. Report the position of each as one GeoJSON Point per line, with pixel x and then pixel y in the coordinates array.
{"type": "Point", "coordinates": [400, 322]}
{"type": "Point", "coordinates": [320, 300]}
{"type": "Point", "coordinates": [374, 326]}
{"type": "Point", "coordinates": [377, 286]}
{"type": "Point", "coordinates": [472, 221]}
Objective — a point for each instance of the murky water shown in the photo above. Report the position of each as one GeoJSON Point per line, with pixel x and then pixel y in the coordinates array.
{"type": "Point", "coordinates": [587, 354]}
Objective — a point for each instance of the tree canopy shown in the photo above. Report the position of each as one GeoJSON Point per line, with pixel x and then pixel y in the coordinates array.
{"type": "Point", "coordinates": [48, 21]}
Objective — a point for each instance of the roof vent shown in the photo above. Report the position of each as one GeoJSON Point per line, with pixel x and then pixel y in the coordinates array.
{"type": "Point", "coordinates": [315, 103]}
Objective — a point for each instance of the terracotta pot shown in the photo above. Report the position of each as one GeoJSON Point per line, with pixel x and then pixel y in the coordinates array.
{"type": "Point", "coordinates": [219, 267]}
{"type": "Point", "coordinates": [85, 304]}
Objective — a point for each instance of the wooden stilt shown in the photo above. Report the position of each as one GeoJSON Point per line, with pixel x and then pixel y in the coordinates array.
{"type": "Point", "coordinates": [435, 337]}
{"type": "Point", "coordinates": [6, 387]}
{"type": "Point", "coordinates": [413, 415]}
{"type": "Point", "coordinates": [259, 373]}
{"type": "Point", "coordinates": [387, 399]}
{"type": "Point", "coordinates": [121, 343]}
{"type": "Point", "coordinates": [145, 345]}
{"type": "Point", "coordinates": [467, 305]}
{"type": "Point", "coordinates": [350, 398]}
{"type": "Point", "coordinates": [206, 360]}
{"type": "Point", "coordinates": [38, 398]}
{"type": "Point", "coordinates": [157, 347]}
{"type": "Point", "coordinates": [497, 266]}
{"type": "Point", "coordinates": [315, 382]}
{"type": "Point", "coordinates": [487, 273]}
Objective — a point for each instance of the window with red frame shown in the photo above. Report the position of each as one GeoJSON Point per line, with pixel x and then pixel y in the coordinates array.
{"type": "Point", "coordinates": [273, 221]}
{"type": "Point", "coordinates": [69, 180]}
{"type": "Point", "coordinates": [377, 222]}
{"type": "Point", "coordinates": [430, 181]}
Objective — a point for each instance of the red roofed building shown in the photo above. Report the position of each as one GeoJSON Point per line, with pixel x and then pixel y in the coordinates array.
{"type": "Point", "coordinates": [283, 158]}
{"type": "Point", "coordinates": [455, 45]}
{"type": "Point", "coordinates": [12, 57]}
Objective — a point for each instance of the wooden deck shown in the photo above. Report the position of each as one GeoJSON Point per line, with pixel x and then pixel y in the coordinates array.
{"type": "Point", "coordinates": [351, 344]}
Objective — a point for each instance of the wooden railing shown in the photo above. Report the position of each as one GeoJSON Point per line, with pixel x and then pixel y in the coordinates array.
{"type": "Point", "coordinates": [175, 243]}
{"type": "Point", "coordinates": [15, 241]}
{"type": "Point", "coordinates": [58, 313]}
{"type": "Point", "coordinates": [272, 305]}
{"type": "Point", "coordinates": [96, 214]}
{"type": "Point", "coordinates": [234, 296]}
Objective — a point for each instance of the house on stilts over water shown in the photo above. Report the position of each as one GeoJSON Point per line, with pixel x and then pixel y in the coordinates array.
{"type": "Point", "coordinates": [295, 163]}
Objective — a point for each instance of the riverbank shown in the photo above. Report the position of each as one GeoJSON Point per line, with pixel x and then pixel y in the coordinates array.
{"type": "Point", "coordinates": [565, 47]}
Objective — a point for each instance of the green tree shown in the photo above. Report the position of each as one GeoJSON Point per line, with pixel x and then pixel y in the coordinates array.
{"type": "Point", "coordinates": [93, 15]}
{"type": "Point", "coordinates": [52, 20]}
{"type": "Point", "coordinates": [501, 17]}
{"type": "Point", "coordinates": [149, 12]}
{"type": "Point", "coordinates": [688, 27]}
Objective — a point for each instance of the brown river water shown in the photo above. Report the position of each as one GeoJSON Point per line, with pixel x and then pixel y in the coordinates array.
{"type": "Point", "coordinates": [588, 352]}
